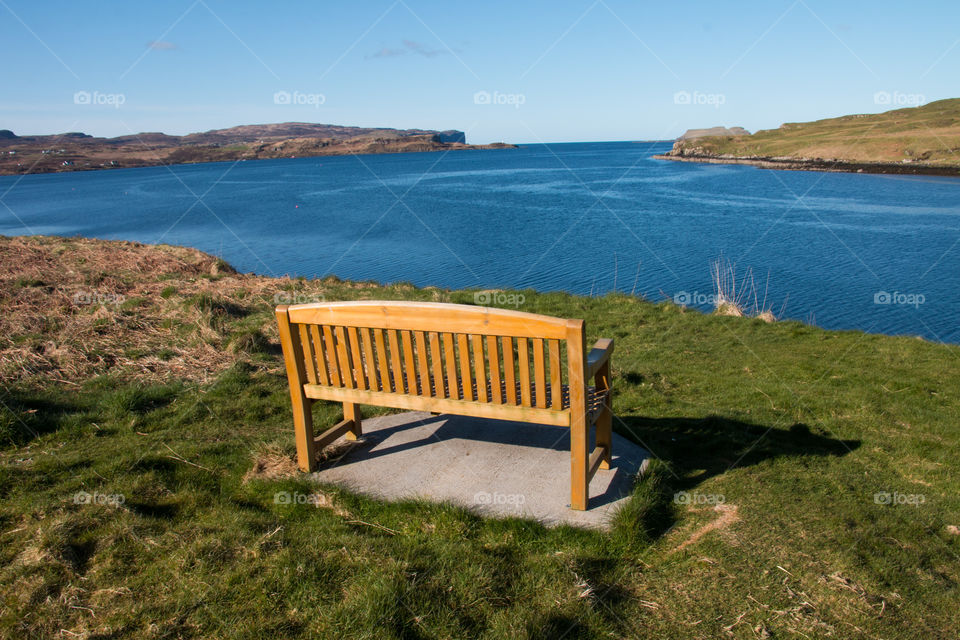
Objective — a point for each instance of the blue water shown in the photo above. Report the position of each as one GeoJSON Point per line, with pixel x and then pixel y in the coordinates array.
{"type": "Point", "coordinates": [584, 218]}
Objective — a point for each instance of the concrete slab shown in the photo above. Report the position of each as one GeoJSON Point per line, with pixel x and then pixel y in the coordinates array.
{"type": "Point", "coordinates": [493, 467]}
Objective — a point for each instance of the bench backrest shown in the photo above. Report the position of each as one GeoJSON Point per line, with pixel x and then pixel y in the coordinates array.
{"type": "Point", "coordinates": [460, 352]}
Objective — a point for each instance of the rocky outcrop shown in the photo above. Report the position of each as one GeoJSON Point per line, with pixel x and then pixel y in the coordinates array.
{"type": "Point", "coordinates": [452, 135]}
{"type": "Point", "coordinates": [713, 131]}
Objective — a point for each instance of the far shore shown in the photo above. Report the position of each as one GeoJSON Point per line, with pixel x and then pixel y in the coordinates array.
{"type": "Point", "coordinates": [81, 159]}
{"type": "Point", "coordinates": [818, 164]}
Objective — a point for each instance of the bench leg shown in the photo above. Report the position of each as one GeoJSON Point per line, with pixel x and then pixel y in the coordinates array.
{"type": "Point", "coordinates": [303, 430]}
{"type": "Point", "coordinates": [605, 435]}
{"type": "Point", "coordinates": [351, 411]}
{"type": "Point", "coordinates": [579, 460]}
{"type": "Point", "coordinates": [605, 420]}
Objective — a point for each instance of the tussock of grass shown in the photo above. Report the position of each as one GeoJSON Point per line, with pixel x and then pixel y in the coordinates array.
{"type": "Point", "coordinates": [650, 511]}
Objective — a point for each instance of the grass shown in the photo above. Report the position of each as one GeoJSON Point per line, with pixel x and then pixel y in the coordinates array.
{"type": "Point", "coordinates": [928, 135]}
{"type": "Point", "coordinates": [806, 483]}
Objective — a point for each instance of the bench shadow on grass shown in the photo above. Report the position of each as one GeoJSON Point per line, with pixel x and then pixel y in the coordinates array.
{"type": "Point", "coordinates": [693, 450]}
{"type": "Point", "coordinates": [701, 448]}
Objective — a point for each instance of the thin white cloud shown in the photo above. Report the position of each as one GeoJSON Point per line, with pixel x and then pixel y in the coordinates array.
{"type": "Point", "coordinates": [161, 45]}
{"type": "Point", "coordinates": [409, 46]}
{"type": "Point", "coordinates": [387, 53]}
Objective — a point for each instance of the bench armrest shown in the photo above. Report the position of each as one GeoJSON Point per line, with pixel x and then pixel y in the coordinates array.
{"type": "Point", "coordinates": [599, 355]}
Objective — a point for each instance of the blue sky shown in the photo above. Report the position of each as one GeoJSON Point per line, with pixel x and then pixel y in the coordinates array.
{"type": "Point", "coordinates": [512, 71]}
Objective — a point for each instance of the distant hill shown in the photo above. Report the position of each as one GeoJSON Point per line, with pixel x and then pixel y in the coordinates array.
{"type": "Point", "coordinates": [922, 139]}
{"type": "Point", "coordinates": [78, 151]}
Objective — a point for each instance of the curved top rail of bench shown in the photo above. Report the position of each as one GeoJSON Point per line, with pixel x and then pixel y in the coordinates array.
{"type": "Point", "coordinates": [432, 316]}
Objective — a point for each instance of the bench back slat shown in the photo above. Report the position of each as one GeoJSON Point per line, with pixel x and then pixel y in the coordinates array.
{"type": "Point", "coordinates": [343, 357]}
{"type": "Point", "coordinates": [556, 381]}
{"type": "Point", "coordinates": [395, 369]}
{"type": "Point", "coordinates": [330, 349]}
{"type": "Point", "coordinates": [356, 360]}
{"type": "Point", "coordinates": [493, 359]}
{"type": "Point", "coordinates": [439, 351]}
{"type": "Point", "coordinates": [386, 384]}
{"type": "Point", "coordinates": [309, 366]}
{"type": "Point", "coordinates": [540, 380]}
{"type": "Point", "coordinates": [369, 360]}
{"type": "Point", "coordinates": [466, 377]}
{"type": "Point", "coordinates": [523, 358]}
{"type": "Point", "coordinates": [409, 370]}
{"type": "Point", "coordinates": [450, 360]}
{"type": "Point", "coordinates": [319, 358]}
{"type": "Point", "coordinates": [436, 364]}
{"type": "Point", "coordinates": [480, 368]}
{"type": "Point", "coordinates": [509, 370]}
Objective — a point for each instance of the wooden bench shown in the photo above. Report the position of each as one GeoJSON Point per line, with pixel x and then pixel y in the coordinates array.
{"type": "Point", "coordinates": [448, 358]}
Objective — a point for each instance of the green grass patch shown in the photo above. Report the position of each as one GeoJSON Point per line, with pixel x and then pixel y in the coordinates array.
{"type": "Point", "coordinates": [806, 485]}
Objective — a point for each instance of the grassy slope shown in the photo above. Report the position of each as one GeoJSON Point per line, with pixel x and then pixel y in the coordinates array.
{"type": "Point", "coordinates": [795, 427]}
{"type": "Point", "coordinates": [929, 134]}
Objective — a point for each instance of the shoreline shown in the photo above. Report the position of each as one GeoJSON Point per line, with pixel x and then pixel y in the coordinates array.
{"type": "Point", "coordinates": [800, 164]}
{"type": "Point", "coordinates": [331, 151]}
{"type": "Point", "coordinates": [100, 249]}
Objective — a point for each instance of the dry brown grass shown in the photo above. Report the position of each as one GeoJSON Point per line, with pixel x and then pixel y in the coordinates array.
{"type": "Point", "coordinates": [727, 516]}
{"type": "Point", "coordinates": [272, 464]}
{"type": "Point", "coordinates": [76, 308]}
